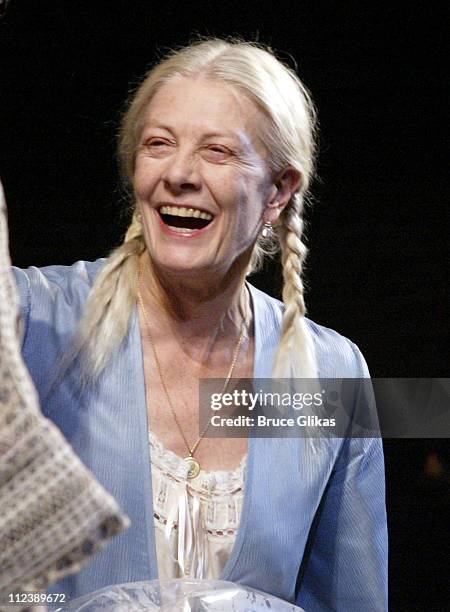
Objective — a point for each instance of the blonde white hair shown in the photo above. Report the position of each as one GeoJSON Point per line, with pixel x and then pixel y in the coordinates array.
{"type": "Point", "coordinates": [290, 138]}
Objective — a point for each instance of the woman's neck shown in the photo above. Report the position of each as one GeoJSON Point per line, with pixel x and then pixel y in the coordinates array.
{"type": "Point", "coordinates": [196, 306]}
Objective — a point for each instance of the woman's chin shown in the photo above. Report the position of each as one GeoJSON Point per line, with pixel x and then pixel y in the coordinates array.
{"type": "Point", "coordinates": [185, 268]}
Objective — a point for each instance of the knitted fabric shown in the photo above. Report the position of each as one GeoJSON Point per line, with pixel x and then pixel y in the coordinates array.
{"type": "Point", "coordinates": [53, 513]}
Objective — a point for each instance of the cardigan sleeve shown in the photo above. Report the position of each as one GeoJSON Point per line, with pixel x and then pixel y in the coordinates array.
{"type": "Point", "coordinates": [345, 563]}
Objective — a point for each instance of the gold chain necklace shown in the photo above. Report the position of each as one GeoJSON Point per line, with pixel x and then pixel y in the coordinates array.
{"type": "Point", "coordinates": [193, 464]}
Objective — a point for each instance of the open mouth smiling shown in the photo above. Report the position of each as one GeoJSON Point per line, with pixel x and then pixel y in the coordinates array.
{"type": "Point", "coordinates": [183, 219]}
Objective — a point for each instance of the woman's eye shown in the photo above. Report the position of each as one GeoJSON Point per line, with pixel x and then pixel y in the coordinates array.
{"type": "Point", "coordinates": [217, 152]}
{"type": "Point", "coordinates": [157, 146]}
{"type": "Point", "coordinates": [156, 142]}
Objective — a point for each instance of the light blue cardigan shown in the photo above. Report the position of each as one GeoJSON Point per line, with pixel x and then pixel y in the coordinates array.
{"type": "Point", "coordinates": [313, 525]}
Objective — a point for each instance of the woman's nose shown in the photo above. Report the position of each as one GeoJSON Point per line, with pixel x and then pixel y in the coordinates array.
{"type": "Point", "coordinates": [181, 172]}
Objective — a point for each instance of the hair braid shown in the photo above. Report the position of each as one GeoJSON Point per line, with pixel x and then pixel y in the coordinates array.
{"type": "Point", "coordinates": [295, 355]}
{"type": "Point", "coordinates": [106, 317]}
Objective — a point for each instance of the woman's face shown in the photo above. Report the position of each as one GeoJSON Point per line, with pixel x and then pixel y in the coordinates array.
{"type": "Point", "coordinates": [202, 179]}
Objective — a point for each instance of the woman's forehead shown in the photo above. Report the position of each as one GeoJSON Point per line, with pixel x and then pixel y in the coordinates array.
{"type": "Point", "coordinates": [204, 104]}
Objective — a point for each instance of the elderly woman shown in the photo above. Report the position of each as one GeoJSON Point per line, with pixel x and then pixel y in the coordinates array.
{"type": "Point", "coordinates": [217, 148]}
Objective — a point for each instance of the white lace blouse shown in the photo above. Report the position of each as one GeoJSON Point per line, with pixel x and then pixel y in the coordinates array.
{"type": "Point", "coordinates": [196, 520]}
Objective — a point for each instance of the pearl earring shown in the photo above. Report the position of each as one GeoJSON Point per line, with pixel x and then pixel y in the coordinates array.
{"type": "Point", "coordinates": [267, 229]}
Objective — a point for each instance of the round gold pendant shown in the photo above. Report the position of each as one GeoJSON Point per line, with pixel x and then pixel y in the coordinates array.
{"type": "Point", "coordinates": [194, 467]}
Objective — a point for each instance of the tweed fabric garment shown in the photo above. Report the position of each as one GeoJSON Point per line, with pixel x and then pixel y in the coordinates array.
{"type": "Point", "coordinates": [54, 514]}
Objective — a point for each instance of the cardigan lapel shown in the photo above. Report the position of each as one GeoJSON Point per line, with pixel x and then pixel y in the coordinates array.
{"type": "Point", "coordinates": [267, 325]}
{"type": "Point", "coordinates": [285, 479]}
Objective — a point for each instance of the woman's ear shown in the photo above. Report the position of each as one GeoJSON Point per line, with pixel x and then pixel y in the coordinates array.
{"type": "Point", "coordinates": [284, 186]}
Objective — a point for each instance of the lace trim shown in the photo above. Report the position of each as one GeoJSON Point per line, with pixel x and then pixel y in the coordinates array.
{"type": "Point", "coordinates": [193, 515]}
{"type": "Point", "coordinates": [219, 482]}
{"type": "Point", "coordinates": [229, 531]}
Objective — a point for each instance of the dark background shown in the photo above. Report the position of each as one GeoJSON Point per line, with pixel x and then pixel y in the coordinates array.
{"type": "Point", "coordinates": [377, 231]}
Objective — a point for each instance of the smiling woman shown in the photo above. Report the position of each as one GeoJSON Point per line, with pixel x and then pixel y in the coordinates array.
{"type": "Point", "coordinates": [201, 152]}
{"type": "Point", "coordinates": [217, 150]}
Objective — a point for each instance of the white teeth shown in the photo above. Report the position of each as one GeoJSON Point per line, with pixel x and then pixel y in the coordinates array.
{"type": "Point", "coordinates": [181, 230]}
{"type": "Point", "coordinates": [185, 212]}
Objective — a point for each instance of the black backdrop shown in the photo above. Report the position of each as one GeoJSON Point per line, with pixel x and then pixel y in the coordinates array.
{"type": "Point", "coordinates": [377, 231]}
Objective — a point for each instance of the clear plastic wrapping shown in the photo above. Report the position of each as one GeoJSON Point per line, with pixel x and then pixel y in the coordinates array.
{"type": "Point", "coordinates": [183, 595]}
